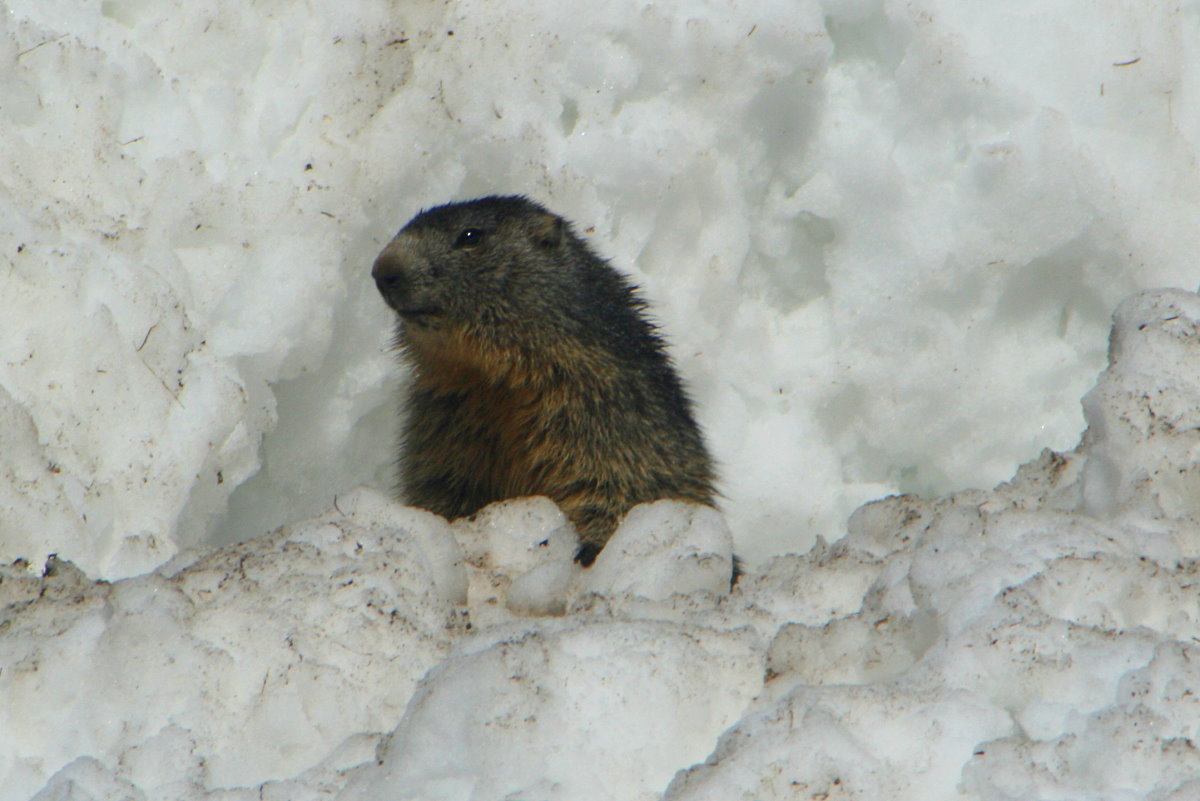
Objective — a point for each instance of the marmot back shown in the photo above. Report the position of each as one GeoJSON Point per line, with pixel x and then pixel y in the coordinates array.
{"type": "Point", "coordinates": [536, 372]}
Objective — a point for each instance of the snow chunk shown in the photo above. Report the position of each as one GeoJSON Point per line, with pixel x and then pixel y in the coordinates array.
{"type": "Point", "coordinates": [1143, 421]}
{"type": "Point", "coordinates": [555, 712]}
{"type": "Point", "coordinates": [275, 633]}
{"type": "Point", "coordinates": [520, 558]}
{"type": "Point", "coordinates": [866, 742]}
{"type": "Point", "coordinates": [661, 549]}
{"type": "Point", "coordinates": [520, 553]}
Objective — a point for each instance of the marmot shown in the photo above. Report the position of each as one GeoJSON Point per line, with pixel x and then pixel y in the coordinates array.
{"type": "Point", "coordinates": [535, 372]}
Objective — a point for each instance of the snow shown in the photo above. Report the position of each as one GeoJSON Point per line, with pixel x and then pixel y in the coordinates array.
{"type": "Point", "coordinates": [886, 241]}
{"type": "Point", "coordinates": [271, 634]}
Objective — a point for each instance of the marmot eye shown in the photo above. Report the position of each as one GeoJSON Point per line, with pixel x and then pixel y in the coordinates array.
{"type": "Point", "coordinates": [469, 238]}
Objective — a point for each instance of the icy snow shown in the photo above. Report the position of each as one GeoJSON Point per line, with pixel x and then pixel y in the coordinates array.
{"type": "Point", "coordinates": [886, 241]}
{"type": "Point", "coordinates": [986, 644]}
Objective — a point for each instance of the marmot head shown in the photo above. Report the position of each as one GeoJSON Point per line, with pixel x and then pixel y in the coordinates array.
{"type": "Point", "coordinates": [488, 261]}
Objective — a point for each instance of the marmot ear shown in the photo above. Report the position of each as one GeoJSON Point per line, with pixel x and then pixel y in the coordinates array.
{"type": "Point", "coordinates": [548, 230]}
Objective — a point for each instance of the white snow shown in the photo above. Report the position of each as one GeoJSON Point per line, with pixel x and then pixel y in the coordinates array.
{"type": "Point", "coordinates": [886, 241]}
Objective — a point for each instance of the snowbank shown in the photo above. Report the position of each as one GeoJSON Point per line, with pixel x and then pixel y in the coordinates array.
{"type": "Point", "coordinates": [884, 238]}
{"type": "Point", "coordinates": [998, 644]}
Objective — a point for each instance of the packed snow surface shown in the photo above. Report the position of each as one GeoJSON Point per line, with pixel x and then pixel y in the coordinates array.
{"type": "Point", "coordinates": [988, 644]}
{"type": "Point", "coordinates": [885, 240]}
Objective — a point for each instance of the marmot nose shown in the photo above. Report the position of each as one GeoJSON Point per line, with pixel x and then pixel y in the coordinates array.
{"type": "Point", "coordinates": [388, 274]}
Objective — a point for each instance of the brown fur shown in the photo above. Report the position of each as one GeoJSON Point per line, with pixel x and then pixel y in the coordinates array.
{"type": "Point", "coordinates": [535, 372]}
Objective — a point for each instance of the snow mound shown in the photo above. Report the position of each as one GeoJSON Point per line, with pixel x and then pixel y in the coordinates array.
{"type": "Point", "coordinates": [1010, 643]}
{"type": "Point", "coordinates": [552, 712]}
{"type": "Point", "coordinates": [883, 238]}
{"type": "Point", "coordinates": [242, 662]}
{"type": "Point", "coordinates": [999, 644]}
